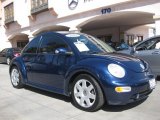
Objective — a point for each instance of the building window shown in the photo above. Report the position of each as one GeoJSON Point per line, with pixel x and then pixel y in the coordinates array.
{"type": "Point", "coordinates": [9, 13]}
{"type": "Point", "coordinates": [22, 44]}
{"type": "Point", "coordinates": [38, 6]}
{"type": "Point", "coordinates": [105, 38]}
{"type": "Point", "coordinates": [130, 39]}
{"type": "Point", "coordinates": [140, 38]}
{"type": "Point", "coordinates": [108, 40]}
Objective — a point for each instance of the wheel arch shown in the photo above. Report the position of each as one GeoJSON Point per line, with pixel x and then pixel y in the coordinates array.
{"type": "Point", "coordinates": [72, 77]}
{"type": "Point", "coordinates": [21, 68]}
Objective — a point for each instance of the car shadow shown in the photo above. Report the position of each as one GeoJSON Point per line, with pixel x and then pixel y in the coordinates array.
{"type": "Point", "coordinates": [158, 78]}
{"type": "Point", "coordinates": [119, 108]}
{"type": "Point", "coordinates": [48, 94]}
{"type": "Point", "coordinates": [3, 63]}
{"type": "Point", "coordinates": [107, 108]}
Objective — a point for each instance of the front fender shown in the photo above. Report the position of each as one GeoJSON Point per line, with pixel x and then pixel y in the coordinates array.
{"type": "Point", "coordinates": [75, 71]}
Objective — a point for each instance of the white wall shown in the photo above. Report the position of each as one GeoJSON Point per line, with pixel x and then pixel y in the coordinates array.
{"type": "Point", "coordinates": [21, 12]}
{"type": "Point", "coordinates": [140, 30]}
{"type": "Point", "coordinates": [107, 31]}
{"type": "Point", "coordinates": [61, 6]}
{"type": "Point", "coordinates": [157, 27]}
{"type": "Point", "coordinates": [3, 39]}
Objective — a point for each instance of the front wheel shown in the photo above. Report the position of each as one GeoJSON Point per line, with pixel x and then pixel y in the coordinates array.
{"type": "Point", "coordinates": [86, 93]}
{"type": "Point", "coordinates": [16, 78]}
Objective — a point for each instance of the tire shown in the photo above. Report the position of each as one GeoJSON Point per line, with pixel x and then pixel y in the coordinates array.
{"type": "Point", "coordinates": [16, 78]}
{"type": "Point", "coordinates": [8, 61]}
{"type": "Point", "coordinates": [86, 93]}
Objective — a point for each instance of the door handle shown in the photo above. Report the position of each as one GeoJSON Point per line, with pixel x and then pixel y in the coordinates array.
{"type": "Point", "coordinates": [28, 67]}
{"type": "Point", "coordinates": [155, 52]}
{"type": "Point", "coordinates": [38, 59]}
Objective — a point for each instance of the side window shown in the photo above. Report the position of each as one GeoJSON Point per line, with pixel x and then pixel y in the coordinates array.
{"type": "Point", "coordinates": [32, 46]}
{"type": "Point", "coordinates": [50, 43]}
{"type": "Point", "coordinates": [147, 45]}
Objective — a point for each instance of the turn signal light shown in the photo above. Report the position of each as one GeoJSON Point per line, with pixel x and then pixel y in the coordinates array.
{"type": "Point", "coordinates": [123, 89]}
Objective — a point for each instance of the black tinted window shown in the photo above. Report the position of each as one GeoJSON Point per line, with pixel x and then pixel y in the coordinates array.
{"type": "Point", "coordinates": [149, 44]}
{"type": "Point", "coordinates": [32, 46]}
{"type": "Point", "coordinates": [50, 43]}
{"type": "Point", "coordinates": [16, 49]}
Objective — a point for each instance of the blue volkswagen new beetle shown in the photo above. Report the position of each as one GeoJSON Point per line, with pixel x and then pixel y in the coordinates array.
{"type": "Point", "coordinates": [83, 67]}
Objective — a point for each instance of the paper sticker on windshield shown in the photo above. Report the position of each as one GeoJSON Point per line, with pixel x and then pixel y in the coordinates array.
{"type": "Point", "coordinates": [81, 46]}
{"type": "Point", "coordinates": [72, 35]}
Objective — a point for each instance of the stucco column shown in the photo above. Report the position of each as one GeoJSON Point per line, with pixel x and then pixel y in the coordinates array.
{"type": "Point", "coordinates": [74, 29]}
{"type": "Point", "coordinates": [157, 24]}
{"type": "Point", "coordinates": [30, 37]}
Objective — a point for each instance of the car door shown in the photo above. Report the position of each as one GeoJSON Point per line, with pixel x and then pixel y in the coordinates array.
{"type": "Point", "coordinates": [3, 55]}
{"type": "Point", "coordinates": [29, 55]}
{"type": "Point", "coordinates": [49, 68]}
{"type": "Point", "coordinates": [150, 52]}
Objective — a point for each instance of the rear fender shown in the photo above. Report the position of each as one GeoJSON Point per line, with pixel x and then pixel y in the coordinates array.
{"type": "Point", "coordinates": [18, 62]}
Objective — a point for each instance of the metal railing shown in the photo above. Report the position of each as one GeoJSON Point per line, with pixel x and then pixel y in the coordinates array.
{"type": "Point", "coordinates": [9, 13]}
{"type": "Point", "coordinates": [9, 20]}
{"type": "Point", "coordinates": [37, 6]}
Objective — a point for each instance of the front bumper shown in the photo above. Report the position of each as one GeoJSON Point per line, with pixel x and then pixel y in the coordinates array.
{"type": "Point", "coordinates": [138, 92]}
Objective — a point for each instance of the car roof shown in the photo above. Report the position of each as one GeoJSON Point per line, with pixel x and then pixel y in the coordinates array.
{"type": "Point", "coordinates": [61, 32]}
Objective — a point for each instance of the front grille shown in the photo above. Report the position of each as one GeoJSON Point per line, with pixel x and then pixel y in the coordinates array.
{"type": "Point", "coordinates": [141, 95]}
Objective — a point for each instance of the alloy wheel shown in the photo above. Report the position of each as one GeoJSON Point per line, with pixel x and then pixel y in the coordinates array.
{"type": "Point", "coordinates": [8, 61]}
{"type": "Point", "coordinates": [84, 93]}
{"type": "Point", "coordinates": [15, 77]}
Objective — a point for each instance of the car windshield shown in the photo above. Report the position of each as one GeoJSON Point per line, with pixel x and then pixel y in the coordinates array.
{"type": "Point", "coordinates": [122, 46]}
{"type": "Point", "coordinates": [89, 45]}
{"type": "Point", "coordinates": [16, 49]}
{"type": "Point", "coordinates": [136, 43]}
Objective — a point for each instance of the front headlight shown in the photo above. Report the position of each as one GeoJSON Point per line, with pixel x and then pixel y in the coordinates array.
{"type": "Point", "coordinates": [116, 70]}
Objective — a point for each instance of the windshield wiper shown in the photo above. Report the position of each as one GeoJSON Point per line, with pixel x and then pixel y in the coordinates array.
{"type": "Point", "coordinates": [94, 52]}
{"type": "Point", "coordinates": [90, 52]}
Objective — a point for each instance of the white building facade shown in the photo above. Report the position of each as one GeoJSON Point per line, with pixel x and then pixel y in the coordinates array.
{"type": "Point", "coordinates": [116, 20]}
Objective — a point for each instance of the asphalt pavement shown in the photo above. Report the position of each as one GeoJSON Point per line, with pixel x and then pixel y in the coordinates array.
{"type": "Point", "coordinates": [33, 104]}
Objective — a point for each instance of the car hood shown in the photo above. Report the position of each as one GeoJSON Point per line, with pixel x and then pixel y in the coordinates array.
{"type": "Point", "coordinates": [124, 60]}
{"type": "Point", "coordinates": [128, 51]}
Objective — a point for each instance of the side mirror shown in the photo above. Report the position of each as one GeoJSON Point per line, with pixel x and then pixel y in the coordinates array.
{"type": "Point", "coordinates": [63, 51]}
{"type": "Point", "coordinates": [118, 48]}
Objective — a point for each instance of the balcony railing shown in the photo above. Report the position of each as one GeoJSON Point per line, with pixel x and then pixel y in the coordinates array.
{"type": "Point", "coordinates": [9, 13]}
{"type": "Point", "coordinates": [40, 8]}
{"type": "Point", "coordinates": [9, 20]}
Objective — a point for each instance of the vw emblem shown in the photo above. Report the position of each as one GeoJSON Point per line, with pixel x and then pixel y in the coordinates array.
{"type": "Point", "coordinates": [72, 4]}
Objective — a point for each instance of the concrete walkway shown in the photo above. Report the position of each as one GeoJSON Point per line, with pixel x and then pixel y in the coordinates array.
{"type": "Point", "coordinates": [33, 104]}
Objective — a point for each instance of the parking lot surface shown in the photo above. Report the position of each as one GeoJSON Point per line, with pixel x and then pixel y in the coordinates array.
{"type": "Point", "coordinates": [33, 104]}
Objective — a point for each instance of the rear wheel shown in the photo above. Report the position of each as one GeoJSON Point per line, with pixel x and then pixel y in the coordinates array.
{"type": "Point", "coordinates": [16, 78]}
{"type": "Point", "coordinates": [86, 93]}
{"type": "Point", "coordinates": [8, 61]}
